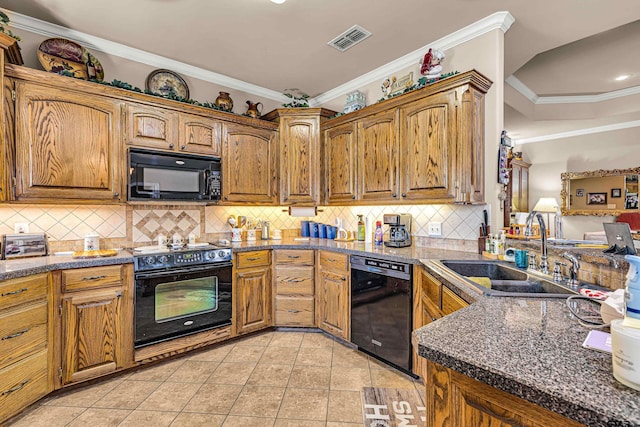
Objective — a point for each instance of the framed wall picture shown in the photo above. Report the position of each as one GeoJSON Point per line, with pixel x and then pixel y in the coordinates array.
{"type": "Point", "coordinates": [616, 192]}
{"type": "Point", "coordinates": [596, 198]}
{"type": "Point", "coordinates": [580, 192]}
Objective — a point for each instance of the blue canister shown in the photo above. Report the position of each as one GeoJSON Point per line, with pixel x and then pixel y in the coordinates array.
{"type": "Point", "coordinates": [304, 228]}
{"type": "Point", "coordinates": [322, 231]}
{"type": "Point", "coordinates": [522, 258]}
{"type": "Point", "coordinates": [332, 230]}
{"type": "Point", "coordinates": [314, 229]}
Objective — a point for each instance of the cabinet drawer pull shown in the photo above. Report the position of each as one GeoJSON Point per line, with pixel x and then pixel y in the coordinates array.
{"type": "Point", "coordinates": [295, 280]}
{"type": "Point", "coordinates": [293, 311]}
{"type": "Point", "coordinates": [253, 259]}
{"type": "Point", "coordinates": [16, 388]}
{"type": "Point", "coordinates": [94, 277]}
{"type": "Point", "coordinates": [19, 291]}
{"type": "Point", "coordinates": [343, 278]}
{"type": "Point", "coordinates": [17, 334]}
{"type": "Point", "coordinates": [293, 256]}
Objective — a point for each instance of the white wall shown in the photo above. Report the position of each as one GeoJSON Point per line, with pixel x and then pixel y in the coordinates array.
{"type": "Point", "coordinates": [606, 150]}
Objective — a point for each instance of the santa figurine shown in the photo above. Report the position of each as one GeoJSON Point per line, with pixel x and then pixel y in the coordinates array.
{"type": "Point", "coordinates": [430, 64]}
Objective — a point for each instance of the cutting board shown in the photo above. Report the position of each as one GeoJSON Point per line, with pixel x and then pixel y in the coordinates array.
{"type": "Point", "coordinates": [95, 253]}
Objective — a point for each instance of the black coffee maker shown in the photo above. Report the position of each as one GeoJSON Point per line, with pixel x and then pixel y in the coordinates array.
{"type": "Point", "coordinates": [399, 230]}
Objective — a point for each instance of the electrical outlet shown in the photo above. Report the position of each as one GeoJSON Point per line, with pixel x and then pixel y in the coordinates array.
{"type": "Point", "coordinates": [21, 227]}
{"type": "Point", "coordinates": [434, 229]}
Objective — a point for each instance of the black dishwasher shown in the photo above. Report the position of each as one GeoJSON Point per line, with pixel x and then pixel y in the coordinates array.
{"type": "Point", "coordinates": [381, 309]}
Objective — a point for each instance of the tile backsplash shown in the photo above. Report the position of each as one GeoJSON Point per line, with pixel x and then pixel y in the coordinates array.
{"type": "Point", "coordinates": [134, 225]}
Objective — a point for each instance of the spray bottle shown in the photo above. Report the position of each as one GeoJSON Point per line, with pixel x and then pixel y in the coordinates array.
{"type": "Point", "coordinates": [632, 293]}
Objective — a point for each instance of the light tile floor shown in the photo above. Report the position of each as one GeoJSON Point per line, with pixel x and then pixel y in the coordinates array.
{"type": "Point", "coordinates": [275, 379]}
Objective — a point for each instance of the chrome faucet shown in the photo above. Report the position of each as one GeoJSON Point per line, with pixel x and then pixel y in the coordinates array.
{"type": "Point", "coordinates": [544, 263]}
{"type": "Point", "coordinates": [573, 269]}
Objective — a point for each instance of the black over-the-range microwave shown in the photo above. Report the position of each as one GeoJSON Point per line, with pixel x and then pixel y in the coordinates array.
{"type": "Point", "coordinates": [168, 176]}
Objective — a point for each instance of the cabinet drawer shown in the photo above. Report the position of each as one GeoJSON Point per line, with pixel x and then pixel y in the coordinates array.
{"type": "Point", "coordinates": [22, 384]}
{"type": "Point", "coordinates": [94, 277]}
{"type": "Point", "coordinates": [19, 291]}
{"type": "Point", "coordinates": [334, 261]}
{"type": "Point", "coordinates": [297, 257]}
{"type": "Point", "coordinates": [431, 288]}
{"type": "Point", "coordinates": [294, 311]}
{"type": "Point", "coordinates": [252, 259]}
{"type": "Point", "coordinates": [451, 302]}
{"type": "Point", "coordinates": [294, 280]}
{"type": "Point", "coordinates": [21, 331]}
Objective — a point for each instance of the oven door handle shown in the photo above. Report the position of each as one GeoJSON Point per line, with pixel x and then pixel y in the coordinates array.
{"type": "Point", "coordinates": [181, 271]}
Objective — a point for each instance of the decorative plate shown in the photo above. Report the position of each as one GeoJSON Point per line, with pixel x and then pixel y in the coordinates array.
{"type": "Point", "coordinates": [58, 54]}
{"type": "Point", "coordinates": [166, 82]}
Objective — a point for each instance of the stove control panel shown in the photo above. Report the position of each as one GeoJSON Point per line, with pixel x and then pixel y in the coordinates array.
{"type": "Point", "coordinates": [182, 258]}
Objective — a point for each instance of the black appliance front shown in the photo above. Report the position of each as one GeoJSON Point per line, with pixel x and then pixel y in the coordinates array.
{"type": "Point", "coordinates": [164, 176]}
{"type": "Point", "coordinates": [381, 310]}
{"type": "Point", "coordinates": [178, 302]}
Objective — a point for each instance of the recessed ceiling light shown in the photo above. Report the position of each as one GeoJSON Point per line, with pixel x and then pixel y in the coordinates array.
{"type": "Point", "coordinates": [619, 78]}
{"type": "Point", "coordinates": [278, 1]}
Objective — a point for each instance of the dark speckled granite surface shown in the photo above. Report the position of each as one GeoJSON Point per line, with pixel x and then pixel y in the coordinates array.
{"type": "Point", "coordinates": [531, 348]}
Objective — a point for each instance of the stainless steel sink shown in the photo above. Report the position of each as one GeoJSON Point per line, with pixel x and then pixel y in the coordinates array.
{"type": "Point", "coordinates": [504, 280]}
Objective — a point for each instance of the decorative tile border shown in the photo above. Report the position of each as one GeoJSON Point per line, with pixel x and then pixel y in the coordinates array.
{"type": "Point", "coordinates": [147, 223]}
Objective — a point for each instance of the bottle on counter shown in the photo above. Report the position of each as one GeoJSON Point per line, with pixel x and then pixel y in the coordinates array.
{"type": "Point", "coordinates": [377, 235]}
{"type": "Point", "coordinates": [361, 229]}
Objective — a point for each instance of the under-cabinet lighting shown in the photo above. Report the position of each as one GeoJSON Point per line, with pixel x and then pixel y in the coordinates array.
{"type": "Point", "coordinates": [619, 78]}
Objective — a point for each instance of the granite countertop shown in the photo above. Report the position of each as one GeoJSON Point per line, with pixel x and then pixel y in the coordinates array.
{"type": "Point", "coordinates": [531, 348]}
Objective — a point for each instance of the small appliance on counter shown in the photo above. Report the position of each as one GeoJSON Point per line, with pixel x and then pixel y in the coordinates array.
{"type": "Point", "coordinates": [399, 230]}
{"type": "Point", "coordinates": [24, 245]}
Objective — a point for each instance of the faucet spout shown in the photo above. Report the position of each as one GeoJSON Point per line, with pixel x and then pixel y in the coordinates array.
{"type": "Point", "coordinates": [544, 263]}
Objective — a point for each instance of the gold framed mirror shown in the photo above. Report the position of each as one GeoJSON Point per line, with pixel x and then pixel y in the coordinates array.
{"type": "Point", "coordinates": [600, 193]}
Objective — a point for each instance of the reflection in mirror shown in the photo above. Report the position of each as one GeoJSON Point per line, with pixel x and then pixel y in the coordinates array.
{"type": "Point", "coordinates": [601, 192]}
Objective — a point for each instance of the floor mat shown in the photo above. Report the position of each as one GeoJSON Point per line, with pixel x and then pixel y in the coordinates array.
{"type": "Point", "coordinates": [391, 407]}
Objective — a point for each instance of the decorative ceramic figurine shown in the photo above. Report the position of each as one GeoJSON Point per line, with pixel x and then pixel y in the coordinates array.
{"type": "Point", "coordinates": [224, 101]}
{"type": "Point", "coordinates": [355, 101]}
{"type": "Point", "coordinates": [430, 64]}
{"type": "Point", "coordinates": [253, 110]}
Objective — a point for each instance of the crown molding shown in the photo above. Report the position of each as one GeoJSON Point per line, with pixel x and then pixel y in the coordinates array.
{"type": "Point", "coordinates": [579, 132]}
{"type": "Point", "coordinates": [524, 90]}
{"type": "Point", "coordinates": [498, 20]}
{"type": "Point", "coordinates": [94, 43]}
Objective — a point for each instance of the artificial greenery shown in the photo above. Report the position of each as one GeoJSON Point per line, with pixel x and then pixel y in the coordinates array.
{"type": "Point", "coordinates": [301, 101]}
{"type": "Point", "coordinates": [4, 20]}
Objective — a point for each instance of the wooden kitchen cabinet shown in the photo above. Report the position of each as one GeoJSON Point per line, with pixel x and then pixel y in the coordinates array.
{"type": "Point", "coordinates": [148, 126]}
{"type": "Point", "coordinates": [252, 292]}
{"type": "Point", "coordinates": [199, 135]}
{"type": "Point", "coordinates": [294, 281]}
{"type": "Point", "coordinates": [299, 153]}
{"type": "Point", "coordinates": [25, 341]}
{"type": "Point", "coordinates": [249, 165]}
{"type": "Point", "coordinates": [456, 400]}
{"type": "Point", "coordinates": [340, 164]}
{"type": "Point", "coordinates": [333, 294]}
{"type": "Point", "coordinates": [53, 125]}
{"type": "Point", "coordinates": [96, 321]}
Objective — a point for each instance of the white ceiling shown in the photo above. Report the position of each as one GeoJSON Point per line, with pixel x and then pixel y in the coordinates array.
{"type": "Point", "coordinates": [555, 47]}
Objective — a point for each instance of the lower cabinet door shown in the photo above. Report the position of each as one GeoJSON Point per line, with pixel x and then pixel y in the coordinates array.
{"type": "Point", "coordinates": [23, 383]}
{"type": "Point", "coordinates": [253, 299]}
{"type": "Point", "coordinates": [333, 303]}
{"type": "Point", "coordinates": [90, 322]}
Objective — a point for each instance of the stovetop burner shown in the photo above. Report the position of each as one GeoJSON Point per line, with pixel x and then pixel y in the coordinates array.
{"type": "Point", "coordinates": [154, 257]}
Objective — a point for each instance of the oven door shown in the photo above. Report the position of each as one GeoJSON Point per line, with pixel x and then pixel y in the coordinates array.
{"type": "Point", "coordinates": [179, 302]}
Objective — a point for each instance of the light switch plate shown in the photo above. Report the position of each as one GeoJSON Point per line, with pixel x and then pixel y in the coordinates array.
{"type": "Point", "coordinates": [21, 227]}
{"type": "Point", "coordinates": [434, 229]}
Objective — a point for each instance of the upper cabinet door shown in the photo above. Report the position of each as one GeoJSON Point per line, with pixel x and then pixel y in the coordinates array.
{"type": "Point", "coordinates": [378, 156]}
{"type": "Point", "coordinates": [67, 146]}
{"type": "Point", "coordinates": [427, 132]}
{"type": "Point", "coordinates": [299, 160]}
{"type": "Point", "coordinates": [248, 172]}
{"type": "Point", "coordinates": [151, 127]}
{"type": "Point", "coordinates": [340, 164]}
{"type": "Point", "coordinates": [199, 135]}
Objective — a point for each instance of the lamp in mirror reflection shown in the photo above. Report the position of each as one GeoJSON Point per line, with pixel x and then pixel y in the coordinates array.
{"type": "Point", "coordinates": [550, 205]}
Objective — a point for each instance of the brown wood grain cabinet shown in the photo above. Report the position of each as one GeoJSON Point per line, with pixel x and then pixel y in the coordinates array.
{"type": "Point", "coordinates": [299, 152]}
{"type": "Point", "coordinates": [25, 342]}
{"type": "Point", "coordinates": [249, 165]}
{"type": "Point", "coordinates": [426, 146]}
{"type": "Point", "coordinates": [340, 164]}
{"type": "Point", "coordinates": [333, 294]}
{"type": "Point", "coordinates": [199, 135]}
{"type": "Point", "coordinates": [53, 126]}
{"type": "Point", "coordinates": [456, 400]}
{"type": "Point", "coordinates": [294, 280]}
{"type": "Point", "coordinates": [95, 324]}
{"type": "Point", "coordinates": [517, 190]}
{"type": "Point", "coordinates": [252, 291]}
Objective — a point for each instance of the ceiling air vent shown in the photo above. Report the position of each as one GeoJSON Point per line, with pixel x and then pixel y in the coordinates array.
{"type": "Point", "coordinates": [349, 38]}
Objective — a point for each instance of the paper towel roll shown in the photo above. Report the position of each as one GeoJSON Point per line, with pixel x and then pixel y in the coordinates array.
{"type": "Point", "coordinates": [299, 211]}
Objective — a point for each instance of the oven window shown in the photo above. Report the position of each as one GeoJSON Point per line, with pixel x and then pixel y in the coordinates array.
{"type": "Point", "coordinates": [159, 180]}
{"type": "Point", "coordinates": [175, 300]}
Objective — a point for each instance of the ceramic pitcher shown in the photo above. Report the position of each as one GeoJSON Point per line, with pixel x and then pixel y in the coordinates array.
{"type": "Point", "coordinates": [253, 110]}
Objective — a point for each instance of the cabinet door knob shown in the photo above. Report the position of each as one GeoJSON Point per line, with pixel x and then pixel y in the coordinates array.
{"type": "Point", "coordinates": [171, 145]}
{"type": "Point", "coordinates": [183, 147]}
{"type": "Point", "coordinates": [394, 195]}
{"type": "Point", "coordinates": [404, 194]}
{"type": "Point", "coordinates": [353, 197]}
{"type": "Point", "coordinates": [344, 279]}
{"type": "Point", "coordinates": [116, 195]}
